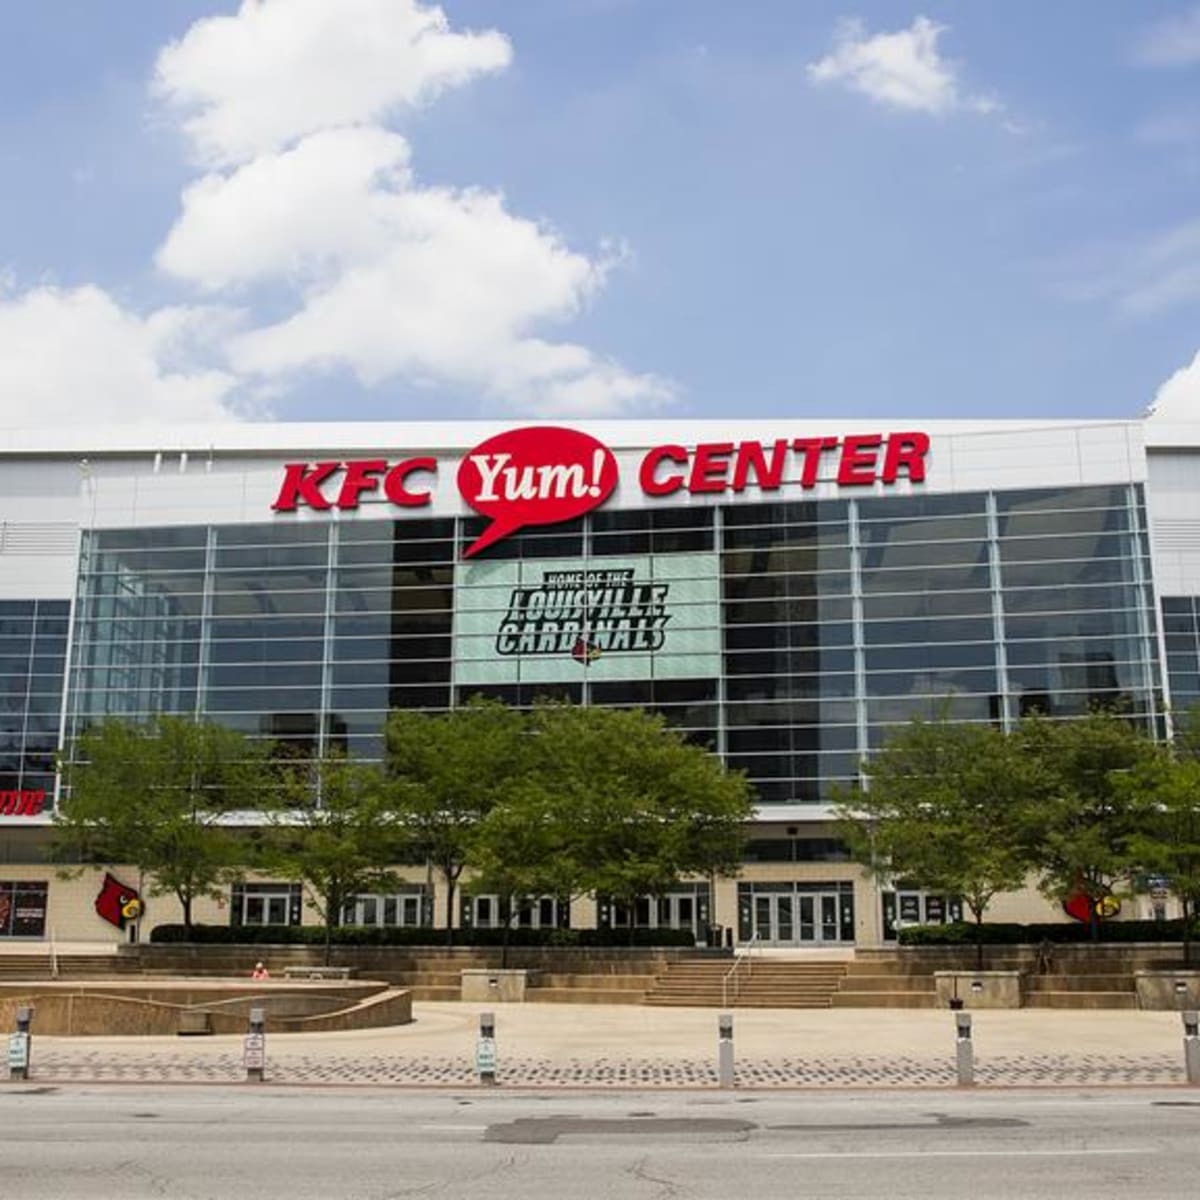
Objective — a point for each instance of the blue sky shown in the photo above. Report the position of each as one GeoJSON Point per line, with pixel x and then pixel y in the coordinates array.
{"type": "Point", "coordinates": [582, 208]}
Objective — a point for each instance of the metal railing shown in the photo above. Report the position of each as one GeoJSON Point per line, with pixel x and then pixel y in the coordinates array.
{"type": "Point", "coordinates": [732, 979]}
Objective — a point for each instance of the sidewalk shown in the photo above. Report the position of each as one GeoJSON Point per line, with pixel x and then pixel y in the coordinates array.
{"type": "Point", "coordinates": [609, 1045]}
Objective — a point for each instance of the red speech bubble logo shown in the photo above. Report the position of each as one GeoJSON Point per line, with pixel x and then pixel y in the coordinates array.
{"type": "Point", "coordinates": [539, 475]}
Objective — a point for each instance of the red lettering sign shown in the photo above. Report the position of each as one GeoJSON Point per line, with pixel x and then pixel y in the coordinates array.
{"type": "Point", "coordinates": [22, 804]}
{"type": "Point", "coordinates": [540, 475]}
{"type": "Point", "coordinates": [861, 458]}
{"type": "Point", "coordinates": [302, 483]}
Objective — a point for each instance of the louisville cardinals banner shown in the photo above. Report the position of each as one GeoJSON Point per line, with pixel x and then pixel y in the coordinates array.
{"type": "Point", "coordinates": [561, 620]}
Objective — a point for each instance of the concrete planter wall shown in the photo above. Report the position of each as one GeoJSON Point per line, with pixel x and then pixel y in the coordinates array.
{"type": "Point", "coordinates": [1164, 990]}
{"type": "Point", "coordinates": [506, 985]}
{"type": "Point", "coordinates": [980, 989]}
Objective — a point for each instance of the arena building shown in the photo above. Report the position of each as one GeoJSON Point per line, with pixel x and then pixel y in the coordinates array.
{"type": "Point", "coordinates": [786, 592]}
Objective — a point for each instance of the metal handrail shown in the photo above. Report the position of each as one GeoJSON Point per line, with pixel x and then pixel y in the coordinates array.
{"type": "Point", "coordinates": [731, 976]}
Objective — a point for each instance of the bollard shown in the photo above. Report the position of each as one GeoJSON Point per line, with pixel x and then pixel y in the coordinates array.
{"type": "Point", "coordinates": [725, 1050]}
{"type": "Point", "coordinates": [254, 1047]}
{"type": "Point", "coordinates": [20, 1044]}
{"type": "Point", "coordinates": [964, 1050]}
{"type": "Point", "coordinates": [485, 1049]}
{"type": "Point", "coordinates": [1191, 1046]}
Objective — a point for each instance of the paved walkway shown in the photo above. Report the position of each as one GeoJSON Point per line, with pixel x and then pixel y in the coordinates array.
{"type": "Point", "coordinates": [545, 1045]}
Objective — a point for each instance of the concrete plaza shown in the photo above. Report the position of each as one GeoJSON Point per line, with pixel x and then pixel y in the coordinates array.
{"type": "Point", "coordinates": [632, 1046]}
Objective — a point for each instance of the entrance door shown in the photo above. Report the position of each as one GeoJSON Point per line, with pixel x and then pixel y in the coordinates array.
{"type": "Point", "coordinates": [775, 918]}
{"type": "Point", "coordinates": [797, 918]}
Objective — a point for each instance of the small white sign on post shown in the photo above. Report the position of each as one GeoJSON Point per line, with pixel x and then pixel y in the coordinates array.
{"type": "Point", "coordinates": [485, 1056]}
{"type": "Point", "coordinates": [18, 1052]}
{"type": "Point", "coordinates": [254, 1051]}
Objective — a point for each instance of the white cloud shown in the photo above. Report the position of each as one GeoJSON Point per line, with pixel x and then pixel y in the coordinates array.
{"type": "Point", "coordinates": [76, 355]}
{"type": "Point", "coordinates": [258, 81]}
{"type": "Point", "coordinates": [901, 70]}
{"type": "Point", "coordinates": [1178, 399]}
{"type": "Point", "coordinates": [310, 211]}
{"type": "Point", "coordinates": [292, 215]}
{"type": "Point", "coordinates": [393, 279]}
{"type": "Point", "coordinates": [1173, 42]}
{"type": "Point", "coordinates": [433, 284]}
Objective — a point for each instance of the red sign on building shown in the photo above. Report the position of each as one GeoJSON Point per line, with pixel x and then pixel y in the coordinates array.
{"type": "Point", "coordinates": [544, 474]}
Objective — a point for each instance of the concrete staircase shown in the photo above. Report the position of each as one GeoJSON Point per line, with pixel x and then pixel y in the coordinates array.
{"type": "Point", "coordinates": [1086, 978]}
{"type": "Point", "coordinates": [762, 983]}
{"type": "Point", "coordinates": [878, 982]}
{"type": "Point", "coordinates": [20, 968]}
{"type": "Point", "coordinates": [1089, 989]}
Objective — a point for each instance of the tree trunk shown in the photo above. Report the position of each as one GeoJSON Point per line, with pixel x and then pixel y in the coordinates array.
{"type": "Point", "coordinates": [1093, 919]}
{"type": "Point", "coordinates": [506, 920]}
{"type": "Point", "coordinates": [978, 915]}
{"type": "Point", "coordinates": [451, 879]}
{"type": "Point", "coordinates": [185, 902]}
{"type": "Point", "coordinates": [1187, 931]}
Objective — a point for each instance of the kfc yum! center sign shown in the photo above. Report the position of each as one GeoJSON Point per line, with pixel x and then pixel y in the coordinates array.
{"type": "Point", "coordinates": [541, 475]}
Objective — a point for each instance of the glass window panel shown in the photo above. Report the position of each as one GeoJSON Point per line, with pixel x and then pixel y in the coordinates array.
{"type": "Point", "coordinates": [1064, 546]}
{"type": "Point", "coordinates": [928, 604]}
{"type": "Point", "coordinates": [923, 554]}
{"type": "Point", "coordinates": [260, 675]}
{"type": "Point", "coordinates": [174, 537]}
{"type": "Point", "coordinates": [957, 707]}
{"type": "Point", "coordinates": [796, 513]}
{"type": "Point", "coordinates": [1068, 625]}
{"type": "Point", "coordinates": [1064, 574]}
{"type": "Point", "coordinates": [263, 699]}
{"type": "Point", "coordinates": [935, 682]}
{"type": "Point", "coordinates": [950, 579]}
{"type": "Point", "coordinates": [1118, 649]}
{"type": "Point", "coordinates": [263, 600]}
{"type": "Point", "coordinates": [903, 633]}
{"type": "Point", "coordinates": [904, 508]}
{"type": "Point", "coordinates": [953, 528]}
{"type": "Point", "coordinates": [919, 656]}
{"type": "Point", "coordinates": [1052, 499]}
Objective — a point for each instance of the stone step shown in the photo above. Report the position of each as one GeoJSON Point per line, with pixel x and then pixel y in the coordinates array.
{"type": "Point", "coordinates": [633, 983]}
{"type": "Point", "coordinates": [1084, 1000]}
{"type": "Point", "coordinates": [1079, 983]}
{"type": "Point", "coordinates": [884, 1000]}
{"type": "Point", "coordinates": [889, 983]}
{"type": "Point", "coordinates": [572, 995]}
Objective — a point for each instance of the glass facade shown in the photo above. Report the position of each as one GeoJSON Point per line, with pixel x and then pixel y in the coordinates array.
{"type": "Point", "coordinates": [829, 622]}
{"type": "Point", "coordinates": [1181, 633]}
{"type": "Point", "coordinates": [33, 652]}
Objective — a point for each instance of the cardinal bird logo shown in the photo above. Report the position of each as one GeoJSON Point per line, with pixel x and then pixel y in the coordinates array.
{"type": "Point", "coordinates": [116, 903]}
{"type": "Point", "coordinates": [585, 652]}
{"type": "Point", "coordinates": [1079, 907]}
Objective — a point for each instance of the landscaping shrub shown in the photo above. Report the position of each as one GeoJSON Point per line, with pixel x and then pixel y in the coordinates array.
{"type": "Point", "coordinates": [358, 935]}
{"type": "Point", "coordinates": [963, 933]}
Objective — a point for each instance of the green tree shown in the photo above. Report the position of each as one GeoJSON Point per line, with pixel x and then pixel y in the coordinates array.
{"type": "Point", "coordinates": [524, 848]}
{"type": "Point", "coordinates": [642, 806]}
{"type": "Point", "coordinates": [1086, 826]}
{"type": "Point", "coordinates": [447, 771]}
{"type": "Point", "coordinates": [944, 807]}
{"type": "Point", "coordinates": [1168, 842]}
{"type": "Point", "coordinates": [157, 796]}
{"type": "Point", "coordinates": [336, 831]}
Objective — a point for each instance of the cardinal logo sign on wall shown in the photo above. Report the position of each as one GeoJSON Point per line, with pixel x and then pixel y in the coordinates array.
{"type": "Point", "coordinates": [117, 904]}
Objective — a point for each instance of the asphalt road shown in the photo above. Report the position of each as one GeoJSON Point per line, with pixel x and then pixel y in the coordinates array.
{"type": "Point", "coordinates": [125, 1143]}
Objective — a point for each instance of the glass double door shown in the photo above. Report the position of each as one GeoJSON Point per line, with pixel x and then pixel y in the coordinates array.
{"type": "Point", "coordinates": [796, 919]}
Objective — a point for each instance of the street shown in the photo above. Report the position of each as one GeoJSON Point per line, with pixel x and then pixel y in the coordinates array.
{"type": "Point", "coordinates": [128, 1142]}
